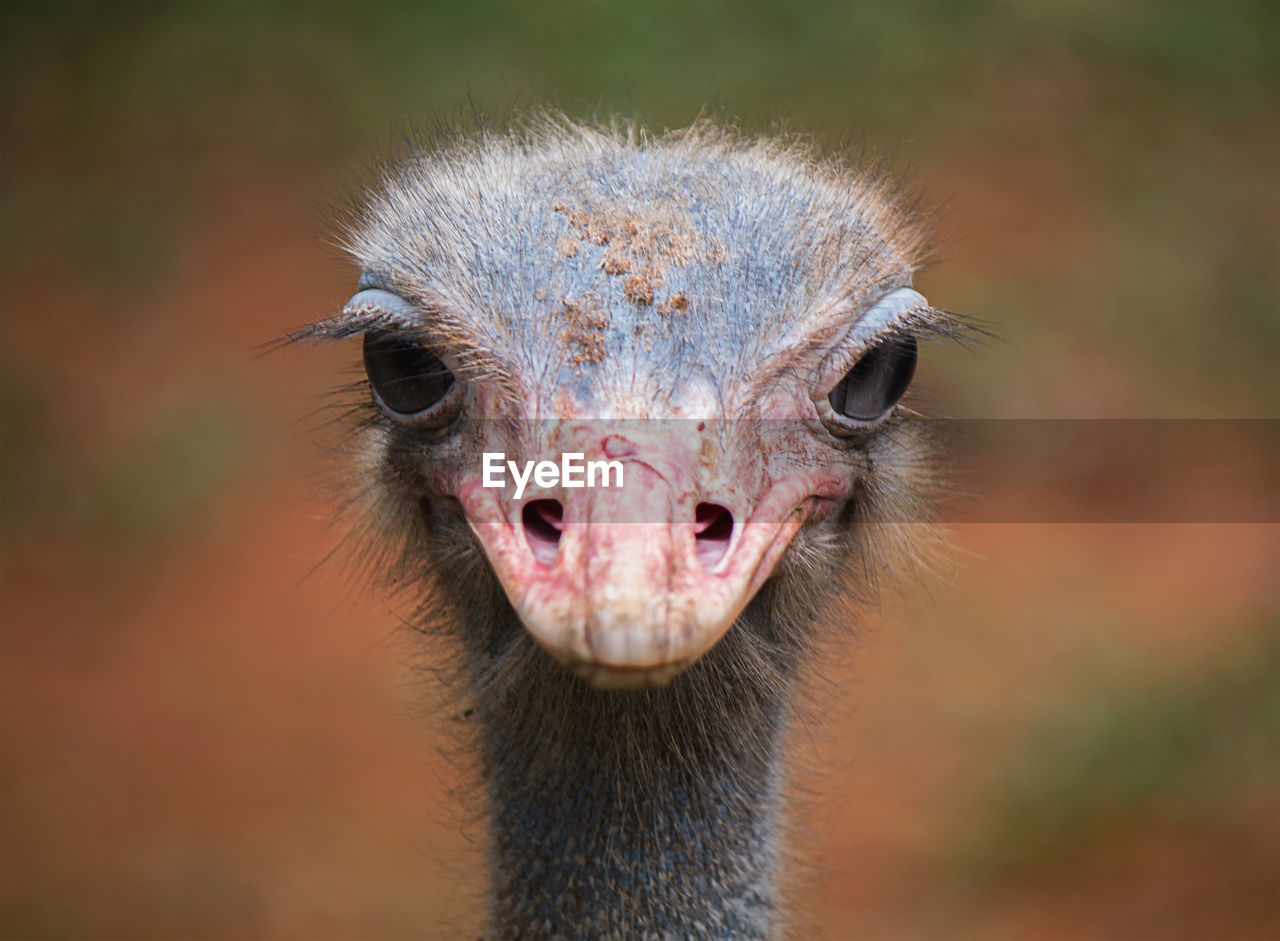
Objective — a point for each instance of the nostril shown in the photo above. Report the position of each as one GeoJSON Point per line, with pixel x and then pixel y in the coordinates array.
{"type": "Point", "coordinates": [712, 528]}
{"type": "Point", "coordinates": [543, 520]}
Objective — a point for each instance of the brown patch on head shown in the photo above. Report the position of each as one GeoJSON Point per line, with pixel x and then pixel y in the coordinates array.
{"type": "Point", "coordinates": [583, 333]}
{"type": "Point", "coordinates": [715, 255]}
{"type": "Point", "coordinates": [639, 288]}
{"type": "Point", "coordinates": [643, 243]}
{"type": "Point", "coordinates": [613, 263]}
{"type": "Point", "coordinates": [679, 249]}
{"type": "Point", "coordinates": [658, 237]}
{"type": "Point", "coordinates": [568, 247]}
{"type": "Point", "coordinates": [675, 304]}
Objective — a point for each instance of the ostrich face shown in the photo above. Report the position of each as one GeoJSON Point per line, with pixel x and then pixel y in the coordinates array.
{"type": "Point", "coordinates": [731, 324]}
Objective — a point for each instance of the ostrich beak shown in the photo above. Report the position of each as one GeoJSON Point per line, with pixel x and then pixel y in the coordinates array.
{"type": "Point", "coordinates": [628, 587]}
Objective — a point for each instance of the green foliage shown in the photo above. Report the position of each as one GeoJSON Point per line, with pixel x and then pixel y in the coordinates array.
{"type": "Point", "coordinates": [149, 484]}
{"type": "Point", "coordinates": [1123, 757]}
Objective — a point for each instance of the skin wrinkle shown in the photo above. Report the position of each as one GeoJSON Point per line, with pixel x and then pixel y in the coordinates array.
{"type": "Point", "coordinates": [652, 812]}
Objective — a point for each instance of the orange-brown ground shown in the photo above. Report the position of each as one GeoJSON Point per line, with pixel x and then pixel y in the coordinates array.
{"type": "Point", "coordinates": [1070, 732]}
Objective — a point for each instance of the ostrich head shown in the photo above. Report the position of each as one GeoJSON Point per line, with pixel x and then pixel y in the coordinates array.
{"type": "Point", "coordinates": [731, 323]}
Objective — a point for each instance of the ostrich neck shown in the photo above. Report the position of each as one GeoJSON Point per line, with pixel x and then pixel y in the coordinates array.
{"type": "Point", "coordinates": [636, 814]}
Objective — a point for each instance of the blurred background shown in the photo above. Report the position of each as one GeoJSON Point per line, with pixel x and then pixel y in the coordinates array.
{"type": "Point", "coordinates": [209, 730]}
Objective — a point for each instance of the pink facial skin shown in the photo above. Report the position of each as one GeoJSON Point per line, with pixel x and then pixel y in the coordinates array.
{"type": "Point", "coordinates": [628, 587]}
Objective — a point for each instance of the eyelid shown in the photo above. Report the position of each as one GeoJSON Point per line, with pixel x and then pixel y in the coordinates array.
{"type": "Point", "coordinates": [375, 308]}
{"type": "Point", "coordinates": [876, 323]}
{"type": "Point", "coordinates": [883, 319]}
{"type": "Point", "coordinates": [371, 309]}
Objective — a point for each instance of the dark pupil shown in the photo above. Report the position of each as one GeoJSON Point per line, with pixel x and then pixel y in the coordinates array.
{"type": "Point", "coordinates": [876, 381]}
{"type": "Point", "coordinates": [407, 377]}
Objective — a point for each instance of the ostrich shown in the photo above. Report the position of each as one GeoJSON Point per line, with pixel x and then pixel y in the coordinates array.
{"type": "Point", "coordinates": [730, 324]}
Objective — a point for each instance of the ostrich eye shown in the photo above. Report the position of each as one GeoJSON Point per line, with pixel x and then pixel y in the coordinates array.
{"type": "Point", "coordinates": [877, 381]}
{"type": "Point", "coordinates": [407, 377]}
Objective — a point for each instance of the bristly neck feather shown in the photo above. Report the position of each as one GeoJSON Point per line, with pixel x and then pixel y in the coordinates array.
{"type": "Point", "coordinates": [651, 813]}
